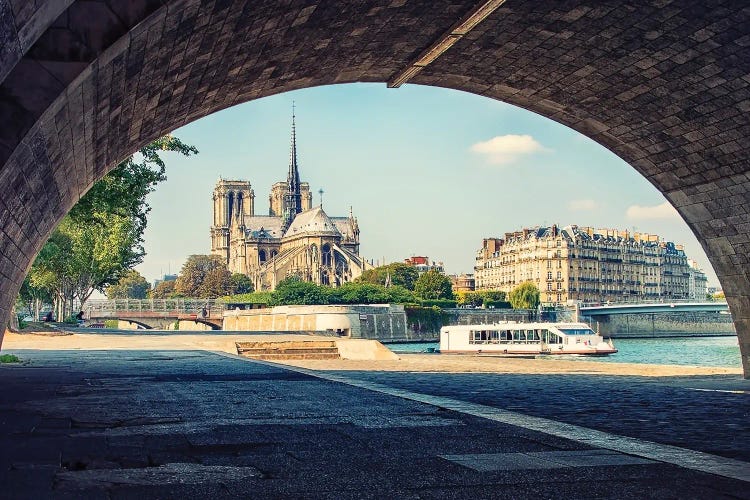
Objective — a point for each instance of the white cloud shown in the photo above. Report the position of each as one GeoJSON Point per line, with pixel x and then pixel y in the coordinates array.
{"type": "Point", "coordinates": [505, 149]}
{"type": "Point", "coordinates": [663, 211]}
{"type": "Point", "coordinates": [582, 205]}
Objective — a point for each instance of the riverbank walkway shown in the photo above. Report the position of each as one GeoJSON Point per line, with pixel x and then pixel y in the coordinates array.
{"type": "Point", "coordinates": [199, 424]}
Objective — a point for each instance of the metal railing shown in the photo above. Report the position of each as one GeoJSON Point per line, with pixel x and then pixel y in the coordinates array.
{"type": "Point", "coordinates": [167, 306]}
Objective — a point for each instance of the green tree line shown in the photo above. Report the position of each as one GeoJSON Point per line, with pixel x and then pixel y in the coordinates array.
{"type": "Point", "coordinates": [101, 239]}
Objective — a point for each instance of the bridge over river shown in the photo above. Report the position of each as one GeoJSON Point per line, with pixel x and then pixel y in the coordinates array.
{"type": "Point", "coordinates": [652, 307]}
{"type": "Point", "coordinates": [161, 314]}
{"type": "Point", "coordinates": [659, 319]}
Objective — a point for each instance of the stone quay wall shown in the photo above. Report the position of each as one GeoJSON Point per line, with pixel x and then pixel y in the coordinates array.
{"type": "Point", "coordinates": [377, 322]}
{"type": "Point", "coordinates": [678, 324]}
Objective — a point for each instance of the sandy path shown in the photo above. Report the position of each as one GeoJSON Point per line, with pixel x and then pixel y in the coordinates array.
{"type": "Point", "coordinates": [406, 363]}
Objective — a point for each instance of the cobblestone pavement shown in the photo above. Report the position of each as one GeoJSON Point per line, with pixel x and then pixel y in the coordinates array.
{"type": "Point", "coordinates": [188, 424]}
{"type": "Point", "coordinates": [710, 414]}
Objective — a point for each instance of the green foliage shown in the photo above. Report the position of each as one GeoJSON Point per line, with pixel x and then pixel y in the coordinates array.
{"type": "Point", "coordinates": [497, 304]}
{"type": "Point", "coordinates": [123, 191]}
{"type": "Point", "coordinates": [241, 284]}
{"type": "Point", "coordinates": [102, 236]}
{"type": "Point", "coordinates": [293, 291]}
{"type": "Point", "coordinates": [484, 298]}
{"type": "Point", "coordinates": [441, 303]}
{"type": "Point", "coordinates": [524, 296]}
{"type": "Point", "coordinates": [9, 358]}
{"type": "Point", "coordinates": [433, 285]}
{"type": "Point", "coordinates": [400, 295]}
{"type": "Point", "coordinates": [358, 293]}
{"type": "Point", "coordinates": [130, 286]}
{"type": "Point", "coordinates": [205, 277]}
{"type": "Point", "coordinates": [426, 319]}
{"type": "Point", "coordinates": [111, 323]}
{"type": "Point", "coordinates": [396, 273]}
{"type": "Point", "coordinates": [249, 298]}
{"type": "Point", "coordinates": [164, 290]}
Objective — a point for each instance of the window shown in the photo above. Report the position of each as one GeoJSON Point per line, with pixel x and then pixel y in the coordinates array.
{"type": "Point", "coordinates": [549, 275]}
{"type": "Point", "coordinates": [559, 274]}
{"type": "Point", "coordinates": [549, 288]}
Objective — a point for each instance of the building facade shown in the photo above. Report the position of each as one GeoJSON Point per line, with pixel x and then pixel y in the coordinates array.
{"type": "Point", "coordinates": [294, 239]}
{"type": "Point", "coordinates": [462, 283]}
{"type": "Point", "coordinates": [588, 265]}
{"type": "Point", "coordinates": [423, 264]}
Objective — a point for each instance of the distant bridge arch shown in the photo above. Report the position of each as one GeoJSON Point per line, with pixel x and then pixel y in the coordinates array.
{"type": "Point", "coordinates": [664, 85]}
{"type": "Point", "coordinates": [657, 307]}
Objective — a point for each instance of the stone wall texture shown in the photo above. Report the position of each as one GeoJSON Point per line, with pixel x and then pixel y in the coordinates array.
{"type": "Point", "coordinates": [664, 84]}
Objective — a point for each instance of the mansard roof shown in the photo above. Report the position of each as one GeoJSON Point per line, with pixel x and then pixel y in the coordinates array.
{"type": "Point", "coordinates": [315, 221]}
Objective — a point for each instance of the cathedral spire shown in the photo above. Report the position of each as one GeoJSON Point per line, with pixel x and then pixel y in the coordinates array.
{"type": "Point", "coordinates": [293, 176]}
{"type": "Point", "coordinates": [294, 195]}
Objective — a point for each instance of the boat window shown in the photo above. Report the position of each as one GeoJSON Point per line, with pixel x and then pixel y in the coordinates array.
{"type": "Point", "coordinates": [494, 336]}
{"type": "Point", "coordinates": [518, 337]}
{"type": "Point", "coordinates": [532, 336]}
{"type": "Point", "coordinates": [577, 331]}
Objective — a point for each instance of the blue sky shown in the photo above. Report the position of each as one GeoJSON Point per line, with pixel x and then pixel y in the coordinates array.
{"type": "Point", "coordinates": [428, 171]}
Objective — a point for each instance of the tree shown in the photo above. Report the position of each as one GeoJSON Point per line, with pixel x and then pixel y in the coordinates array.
{"type": "Point", "coordinates": [241, 284]}
{"type": "Point", "coordinates": [131, 286]}
{"type": "Point", "coordinates": [102, 236]}
{"type": "Point", "coordinates": [524, 296]}
{"type": "Point", "coordinates": [31, 298]}
{"type": "Point", "coordinates": [204, 276]}
{"type": "Point", "coordinates": [433, 285]}
{"type": "Point", "coordinates": [358, 293]}
{"type": "Point", "coordinates": [164, 290]}
{"type": "Point", "coordinates": [293, 291]}
{"type": "Point", "coordinates": [396, 273]}
{"type": "Point", "coordinates": [400, 295]}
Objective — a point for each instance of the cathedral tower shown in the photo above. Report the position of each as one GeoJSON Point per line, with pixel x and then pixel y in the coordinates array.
{"type": "Point", "coordinates": [234, 201]}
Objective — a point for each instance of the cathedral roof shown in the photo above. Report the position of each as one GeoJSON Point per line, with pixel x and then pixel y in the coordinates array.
{"type": "Point", "coordinates": [314, 220]}
{"type": "Point", "coordinates": [262, 226]}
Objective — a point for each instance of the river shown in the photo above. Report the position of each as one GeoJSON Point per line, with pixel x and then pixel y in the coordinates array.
{"type": "Point", "coordinates": [697, 351]}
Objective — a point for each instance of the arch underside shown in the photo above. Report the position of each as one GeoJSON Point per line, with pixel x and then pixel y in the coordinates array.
{"type": "Point", "coordinates": [664, 85]}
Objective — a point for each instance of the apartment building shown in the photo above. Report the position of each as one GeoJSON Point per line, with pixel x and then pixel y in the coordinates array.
{"type": "Point", "coordinates": [588, 265]}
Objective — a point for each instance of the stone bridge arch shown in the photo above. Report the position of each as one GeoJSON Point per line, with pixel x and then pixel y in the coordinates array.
{"type": "Point", "coordinates": [661, 83]}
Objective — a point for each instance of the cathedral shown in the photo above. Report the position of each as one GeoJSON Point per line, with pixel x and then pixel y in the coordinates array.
{"type": "Point", "coordinates": [294, 239]}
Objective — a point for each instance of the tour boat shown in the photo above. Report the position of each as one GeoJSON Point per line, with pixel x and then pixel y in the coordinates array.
{"type": "Point", "coordinates": [524, 338]}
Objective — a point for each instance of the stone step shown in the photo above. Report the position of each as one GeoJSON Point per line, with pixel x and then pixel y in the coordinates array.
{"type": "Point", "coordinates": [289, 350]}
{"type": "Point", "coordinates": [287, 344]}
{"type": "Point", "coordinates": [280, 356]}
{"type": "Point", "coordinates": [292, 350]}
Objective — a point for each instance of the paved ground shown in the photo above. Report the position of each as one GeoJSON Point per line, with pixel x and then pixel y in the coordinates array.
{"type": "Point", "coordinates": [177, 424]}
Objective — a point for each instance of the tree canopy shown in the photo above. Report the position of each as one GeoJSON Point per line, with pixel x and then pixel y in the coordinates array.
{"type": "Point", "coordinates": [396, 273]}
{"type": "Point", "coordinates": [131, 286]}
{"type": "Point", "coordinates": [163, 290]}
{"type": "Point", "coordinates": [433, 285]}
{"type": "Point", "coordinates": [205, 277]}
{"type": "Point", "coordinates": [524, 296]}
{"type": "Point", "coordinates": [293, 291]}
{"type": "Point", "coordinates": [241, 284]}
{"type": "Point", "coordinates": [102, 236]}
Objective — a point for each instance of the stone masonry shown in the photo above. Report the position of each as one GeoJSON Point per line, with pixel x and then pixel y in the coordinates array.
{"type": "Point", "coordinates": [663, 84]}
